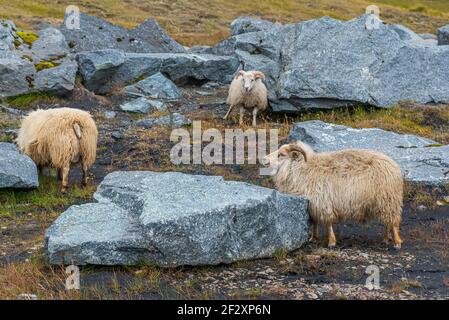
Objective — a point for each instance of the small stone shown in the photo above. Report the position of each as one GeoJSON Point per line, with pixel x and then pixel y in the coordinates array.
{"type": "Point", "coordinates": [143, 105]}
{"type": "Point", "coordinates": [117, 135]}
{"type": "Point", "coordinates": [157, 87]}
{"type": "Point", "coordinates": [110, 114]}
{"type": "Point", "coordinates": [421, 208]}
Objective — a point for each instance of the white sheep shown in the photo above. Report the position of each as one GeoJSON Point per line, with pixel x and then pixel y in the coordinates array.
{"type": "Point", "coordinates": [356, 185]}
{"type": "Point", "coordinates": [58, 138]}
{"type": "Point", "coordinates": [247, 91]}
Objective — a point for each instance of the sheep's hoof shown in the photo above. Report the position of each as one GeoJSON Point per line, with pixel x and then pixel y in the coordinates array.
{"type": "Point", "coordinates": [313, 239]}
{"type": "Point", "coordinates": [397, 246]}
{"type": "Point", "coordinates": [331, 245]}
{"type": "Point", "coordinates": [64, 190]}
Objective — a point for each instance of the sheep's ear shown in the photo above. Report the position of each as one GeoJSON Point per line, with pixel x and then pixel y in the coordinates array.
{"type": "Point", "coordinates": [259, 75]}
{"type": "Point", "coordinates": [295, 151]}
{"type": "Point", "coordinates": [240, 73]}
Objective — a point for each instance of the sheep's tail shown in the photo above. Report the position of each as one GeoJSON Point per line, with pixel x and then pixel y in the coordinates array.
{"type": "Point", "coordinates": [87, 135]}
{"type": "Point", "coordinates": [77, 129]}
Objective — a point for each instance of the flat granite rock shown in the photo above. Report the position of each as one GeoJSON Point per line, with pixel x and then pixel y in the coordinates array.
{"type": "Point", "coordinates": [16, 170]}
{"type": "Point", "coordinates": [173, 219]}
{"type": "Point", "coordinates": [422, 160]}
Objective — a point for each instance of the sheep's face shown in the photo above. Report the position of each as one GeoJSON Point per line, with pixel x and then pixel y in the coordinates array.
{"type": "Point", "coordinates": [285, 153]}
{"type": "Point", "coordinates": [249, 79]}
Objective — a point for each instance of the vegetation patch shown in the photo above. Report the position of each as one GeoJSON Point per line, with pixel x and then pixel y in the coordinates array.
{"type": "Point", "coordinates": [27, 37]}
{"type": "Point", "coordinates": [45, 65]}
{"type": "Point", "coordinates": [29, 100]}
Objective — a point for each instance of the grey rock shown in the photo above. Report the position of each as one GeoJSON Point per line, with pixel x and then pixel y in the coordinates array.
{"type": "Point", "coordinates": [177, 66]}
{"type": "Point", "coordinates": [109, 114]}
{"type": "Point", "coordinates": [310, 62]}
{"type": "Point", "coordinates": [51, 45]}
{"type": "Point", "coordinates": [405, 33]}
{"type": "Point", "coordinates": [16, 75]}
{"type": "Point", "coordinates": [117, 135]}
{"type": "Point", "coordinates": [16, 170]}
{"type": "Point", "coordinates": [443, 35]}
{"type": "Point", "coordinates": [59, 80]}
{"type": "Point", "coordinates": [97, 34]}
{"type": "Point", "coordinates": [248, 24]}
{"type": "Point", "coordinates": [98, 67]}
{"type": "Point", "coordinates": [7, 35]}
{"type": "Point", "coordinates": [173, 219]}
{"type": "Point", "coordinates": [144, 105]}
{"type": "Point", "coordinates": [174, 120]}
{"type": "Point", "coordinates": [198, 49]}
{"type": "Point", "coordinates": [420, 159]}
{"type": "Point", "coordinates": [156, 86]}
{"type": "Point", "coordinates": [428, 36]}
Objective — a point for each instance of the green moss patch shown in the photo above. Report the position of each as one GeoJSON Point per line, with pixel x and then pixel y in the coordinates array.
{"type": "Point", "coordinates": [25, 101]}
{"type": "Point", "coordinates": [45, 65]}
{"type": "Point", "coordinates": [27, 37]}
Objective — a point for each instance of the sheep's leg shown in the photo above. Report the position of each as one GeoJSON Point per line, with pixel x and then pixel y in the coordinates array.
{"type": "Point", "coordinates": [242, 113]}
{"type": "Point", "coordinates": [255, 111]}
{"type": "Point", "coordinates": [65, 178]}
{"type": "Point", "coordinates": [396, 238]}
{"type": "Point", "coordinates": [85, 175]}
{"type": "Point", "coordinates": [387, 233]}
{"type": "Point", "coordinates": [331, 236]}
{"type": "Point", "coordinates": [59, 174]}
{"type": "Point", "coordinates": [229, 112]}
{"type": "Point", "coordinates": [314, 236]}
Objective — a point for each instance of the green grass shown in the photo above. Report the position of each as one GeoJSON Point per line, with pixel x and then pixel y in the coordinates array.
{"type": "Point", "coordinates": [48, 197]}
{"type": "Point", "coordinates": [29, 100]}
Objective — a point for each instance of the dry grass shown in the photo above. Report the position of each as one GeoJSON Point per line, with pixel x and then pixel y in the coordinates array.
{"type": "Point", "coordinates": [427, 121]}
{"type": "Point", "coordinates": [207, 21]}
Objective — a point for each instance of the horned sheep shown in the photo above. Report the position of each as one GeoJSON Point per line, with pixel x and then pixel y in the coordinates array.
{"type": "Point", "coordinates": [247, 91]}
{"type": "Point", "coordinates": [58, 138]}
{"type": "Point", "coordinates": [351, 184]}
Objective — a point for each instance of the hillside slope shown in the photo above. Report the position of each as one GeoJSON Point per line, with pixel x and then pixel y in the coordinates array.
{"type": "Point", "coordinates": [207, 21]}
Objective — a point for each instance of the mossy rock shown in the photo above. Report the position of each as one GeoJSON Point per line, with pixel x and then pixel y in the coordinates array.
{"type": "Point", "coordinates": [45, 65]}
{"type": "Point", "coordinates": [27, 37]}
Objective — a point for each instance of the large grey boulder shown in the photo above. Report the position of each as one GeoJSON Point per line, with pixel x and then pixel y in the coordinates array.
{"type": "Point", "coordinates": [97, 34]}
{"type": "Point", "coordinates": [59, 80]}
{"type": "Point", "coordinates": [249, 24]}
{"type": "Point", "coordinates": [334, 62]}
{"type": "Point", "coordinates": [51, 45]}
{"type": "Point", "coordinates": [143, 105]}
{"type": "Point", "coordinates": [157, 87]}
{"type": "Point", "coordinates": [97, 67]}
{"type": "Point", "coordinates": [172, 219]}
{"type": "Point", "coordinates": [7, 35]}
{"type": "Point", "coordinates": [16, 75]}
{"type": "Point", "coordinates": [182, 67]}
{"type": "Point", "coordinates": [443, 35]}
{"type": "Point", "coordinates": [421, 160]}
{"type": "Point", "coordinates": [16, 170]}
